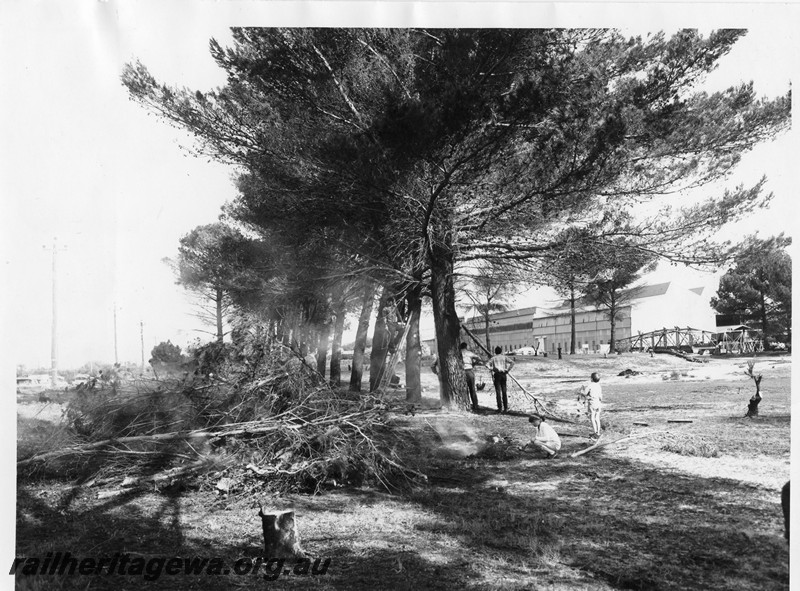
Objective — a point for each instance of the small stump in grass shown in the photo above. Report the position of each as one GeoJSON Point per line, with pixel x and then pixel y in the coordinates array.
{"type": "Point", "coordinates": [281, 539]}
{"type": "Point", "coordinates": [752, 406]}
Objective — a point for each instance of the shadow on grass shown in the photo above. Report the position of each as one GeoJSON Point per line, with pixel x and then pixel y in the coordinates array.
{"type": "Point", "coordinates": [594, 522]}
{"type": "Point", "coordinates": [619, 521]}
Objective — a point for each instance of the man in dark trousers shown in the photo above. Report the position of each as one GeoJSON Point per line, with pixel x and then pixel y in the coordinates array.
{"type": "Point", "coordinates": [470, 359]}
{"type": "Point", "coordinates": [500, 365]}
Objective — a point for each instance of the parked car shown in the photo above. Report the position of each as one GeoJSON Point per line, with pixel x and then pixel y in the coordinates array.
{"type": "Point", "coordinates": [36, 384]}
{"type": "Point", "coordinates": [525, 351]}
{"type": "Point", "coordinates": [80, 379]}
{"type": "Point", "coordinates": [30, 385]}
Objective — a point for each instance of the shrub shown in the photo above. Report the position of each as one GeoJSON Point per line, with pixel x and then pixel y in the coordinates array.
{"type": "Point", "coordinates": [166, 352]}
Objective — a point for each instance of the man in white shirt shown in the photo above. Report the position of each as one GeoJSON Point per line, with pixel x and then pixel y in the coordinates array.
{"type": "Point", "coordinates": [500, 365]}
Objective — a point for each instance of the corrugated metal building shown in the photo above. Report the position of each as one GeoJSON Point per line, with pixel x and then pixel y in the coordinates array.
{"type": "Point", "coordinates": [649, 307]}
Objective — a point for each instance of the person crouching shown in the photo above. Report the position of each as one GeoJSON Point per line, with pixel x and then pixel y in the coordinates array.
{"type": "Point", "coordinates": [546, 438]}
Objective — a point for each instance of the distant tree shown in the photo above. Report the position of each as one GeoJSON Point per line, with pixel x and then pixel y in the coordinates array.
{"type": "Point", "coordinates": [616, 267]}
{"type": "Point", "coordinates": [166, 352]}
{"type": "Point", "coordinates": [759, 285]}
{"type": "Point", "coordinates": [489, 287]}
{"type": "Point", "coordinates": [568, 267]}
{"type": "Point", "coordinates": [206, 265]}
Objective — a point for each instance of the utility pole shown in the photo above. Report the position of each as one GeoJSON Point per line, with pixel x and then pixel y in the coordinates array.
{"type": "Point", "coordinates": [116, 356]}
{"type": "Point", "coordinates": [141, 337]}
{"type": "Point", "coordinates": [54, 327]}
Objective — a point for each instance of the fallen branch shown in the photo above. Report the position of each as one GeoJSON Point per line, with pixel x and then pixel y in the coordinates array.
{"type": "Point", "coordinates": [166, 475]}
{"type": "Point", "coordinates": [249, 428]}
{"type": "Point", "coordinates": [108, 494]}
{"type": "Point", "coordinates": [607, 443]}
{"type": "Point", "coordinates": [260, 398]}
{"type": "Point", "coordinates": [130, 484]}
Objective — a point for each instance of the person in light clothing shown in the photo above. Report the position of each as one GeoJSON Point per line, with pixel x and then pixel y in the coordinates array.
{"type": "Point", "coordinates": [470, 359]}
{"type": "Point", "coordinates": [546, 438]}
{"type": "Point", "coordinates": [500, 365]}
{"type": "Point", "coordinates": [592, 395]}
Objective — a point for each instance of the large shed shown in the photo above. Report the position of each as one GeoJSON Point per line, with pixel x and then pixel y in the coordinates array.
{"type": "Point", "coordinates": [648, 308]}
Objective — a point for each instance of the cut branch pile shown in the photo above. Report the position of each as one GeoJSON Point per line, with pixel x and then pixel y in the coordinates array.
{"type": "Point", "coordinates": [272, 418]}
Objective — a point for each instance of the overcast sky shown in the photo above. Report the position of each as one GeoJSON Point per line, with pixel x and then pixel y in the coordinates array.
{"type": "Point", "coordinates": [82, 164]}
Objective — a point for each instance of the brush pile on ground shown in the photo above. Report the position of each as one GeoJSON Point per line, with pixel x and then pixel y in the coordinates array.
{"type": "Point", "coordinates": [248, 416]}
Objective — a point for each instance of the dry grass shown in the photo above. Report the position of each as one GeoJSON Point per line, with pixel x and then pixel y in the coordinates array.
{"type": "Point", "coordinates": [692, 446]}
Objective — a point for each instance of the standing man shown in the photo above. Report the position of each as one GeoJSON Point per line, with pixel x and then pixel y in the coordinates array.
{"type": "Point", "coordinates": [500, 365]}
{"type": "Point", "coordinates": [559, 351]}
{"type": "Point", "coordinates": [470, 359]}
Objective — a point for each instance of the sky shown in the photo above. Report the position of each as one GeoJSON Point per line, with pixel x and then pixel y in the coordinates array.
{"type": "Point", "coordinates": [114, 188]}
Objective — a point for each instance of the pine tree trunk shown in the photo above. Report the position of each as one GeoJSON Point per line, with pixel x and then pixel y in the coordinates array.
{"type": "Point", "coordinates": [296, 335]}
{"type": "Point", "coordinates": [357, 371]}
{"type": "Point", "coordinates": [486, 330]}
{"type": "Point", "coordinates": [413, 347]}
{"type": "Point", "coordinates": [612, 336]}
{"type": "Point", "coordinates": [279, 324]}
{"type": "Point", "coordinates": [284, 327]}
{"type": "Point", "coordinates": [612, 316]}
{"type": "Point", "coordinates": [322, 343]}
{"type": "Point", "coordinates": [394, 328]}
{"type": "Point", "coordinates": [380, 343]}
{"type": "Point", "coordinates": [572, 320]}
{"type": "Point", "coordinates": [336, 347]}
{"type": "Point", "coordinates": [452, 380]}
{"type": "Point", "coordinates": [763, 312]}
{"type": "Point", "coordinates": [219, 314]}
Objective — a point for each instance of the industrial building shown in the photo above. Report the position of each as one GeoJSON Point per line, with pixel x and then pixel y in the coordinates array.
{"type": "Point", "coordinates": [647, 308]}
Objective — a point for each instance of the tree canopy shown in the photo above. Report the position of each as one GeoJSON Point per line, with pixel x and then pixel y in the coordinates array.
{"type": "Point", "coordinates": [616, 267]}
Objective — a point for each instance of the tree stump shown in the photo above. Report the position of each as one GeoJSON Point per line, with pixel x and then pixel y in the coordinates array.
{"type": "Point", "coordinates": [281, 539]}
{"type": "Point", "coordinates": [752, 406]}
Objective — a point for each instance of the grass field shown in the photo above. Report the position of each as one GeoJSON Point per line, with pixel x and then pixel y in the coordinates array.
{"type": "Point", "coordinates": [694, 505]}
